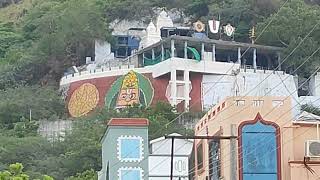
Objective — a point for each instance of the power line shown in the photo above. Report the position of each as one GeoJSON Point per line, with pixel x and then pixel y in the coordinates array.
{"type": "Point", "coordinates": [280, 83]}
{"type": "Point", "coordinates": [239, 136]}
{"type": "Point", "coordinates": [271, 73]}
{"type": "Point", "coordinates": [257, 147]}
{"type": "Point", "coordinates": [264, 29]}
{"type": "Point", "coordinates": [274, 121]}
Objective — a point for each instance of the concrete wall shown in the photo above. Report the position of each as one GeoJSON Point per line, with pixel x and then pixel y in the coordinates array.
{"type": "Point", "coordinates": [102, 52]}
{"type": "Point", "coordinates": [299, 171]}
{"type": "Point", "coordinates": [160, 167]}
{"type": "Point", "coordinates": [217, 87]}
{"type": "Point", "coordinates": [246, 83]}
{"type": "Point", "coordinates": [109, 150]}
{"type": "Point", "coordinates": [54, 130]}
{"type": "Point", "coordinates": [314, 85]}
{"type": "Point", "coordinates": [181, 147]}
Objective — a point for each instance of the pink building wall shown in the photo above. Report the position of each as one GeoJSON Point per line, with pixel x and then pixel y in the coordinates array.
{"type": "Point", "coordinates": [292, 136]}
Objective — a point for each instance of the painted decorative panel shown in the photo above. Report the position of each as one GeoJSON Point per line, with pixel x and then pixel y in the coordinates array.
{"type": "Point", "coordinates": [119, 91]}
{"type": "Point", "coordinates": [130, 148]}
{"type": "Point", "coordinates": [130, 173]}
{"type": "Point", "coordinates": [132, 88]}
{"type": "Point", "coordinates": [259, 152]}
{"type": "Point", "coordinates": [83, 100]}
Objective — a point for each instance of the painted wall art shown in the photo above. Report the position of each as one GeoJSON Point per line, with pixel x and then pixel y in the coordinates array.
{"type": "Point", "coordinates": [83, 100]}
{"type": "Point", "coordinates": [132, 88]}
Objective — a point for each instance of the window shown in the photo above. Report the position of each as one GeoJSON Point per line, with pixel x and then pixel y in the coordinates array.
{"type": "Point", "coordinates": [130, 148]}
{"type": "Point", "coordinates": [277, 103]}
{"type": "Point", "coordinates": [213, 113]}
{"type": "Point", "coordinates": [218, 109]}
{"type": "Point", "coordinates": [214, 160]}
{"type": "Point", "coordinates": [223, 105]}
{"type": "Point", "coordinates": [200, 156]}
{"type": "Point", "coordinates": [257, 103]}
{"type": "Point", "coordinates": [240, 102]}
{"type": "Point", "coordinates": [130, 173]}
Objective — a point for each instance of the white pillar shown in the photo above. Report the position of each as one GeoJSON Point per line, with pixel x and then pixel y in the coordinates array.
{"type": "Point", "coordinates": [279, 61]}
{"type": "Point", "coordinates": [255, 59]}
{"type": "Point", "coordinates": [152, 54]}
{"type": "Point", "coordinates": [185, 50]}
{"type": "Point", "coordinates": [143, 56]}
{"type": "Point", "coordinates": [214, 53]}
{"type": "Point", "coordinates": [186, 90]}
{"type": "Point", "coordinates": [162, 52]}
{"type": "Point", "coordinates": [239, 55]}
{"type": "Point", "coordinates": [173, 80]}
{"type": "Point", "coordinates": [172, 47]}
{"type": "Point", "coordinates": [202, 51]}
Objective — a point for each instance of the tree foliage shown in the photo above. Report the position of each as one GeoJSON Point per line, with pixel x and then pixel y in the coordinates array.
{"type": "Point", "coordinates": [295, 20]}
{"type": "Point", "coordinates": [16, 104]}
{"type": "Point", "coordinates": [46, 37]}
{"type": "Point", "coordinates": [15, 172]}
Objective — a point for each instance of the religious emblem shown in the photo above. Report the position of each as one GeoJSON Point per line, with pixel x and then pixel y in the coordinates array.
{"type": "Point", "coordinates": [199, 26]}
{"type": "Point", "coordinates": [129, 89]}
{"type": "Point", "coordinates": [129, 92]}
{"type": "Point", "coordinates": [214, 26]}
{"type": "Point", "coordinates": [229, 30]}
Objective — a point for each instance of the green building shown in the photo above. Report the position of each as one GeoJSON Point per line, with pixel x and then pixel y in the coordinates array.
{"type": "Point", "coordinates": [125, 150]}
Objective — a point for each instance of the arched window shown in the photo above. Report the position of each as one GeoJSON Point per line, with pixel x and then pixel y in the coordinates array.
{"type": "Point", "coordinates": [259, 152]}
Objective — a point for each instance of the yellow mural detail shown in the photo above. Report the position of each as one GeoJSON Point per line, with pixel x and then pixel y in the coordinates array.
{"type": "Point", "coordinates": [83, 100]}
{"type": "Point", "coordinates": [129, 92]}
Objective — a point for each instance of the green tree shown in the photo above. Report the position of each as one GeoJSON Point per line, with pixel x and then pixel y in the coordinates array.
{"type": "Point", "coordinates": [16, 104]}
{"type": "Point", "coordinates": [288, 28]}
{"type": "Point", "coordinates": [15, 172]}
{"type": "Point", "coordinates": [86, 175]}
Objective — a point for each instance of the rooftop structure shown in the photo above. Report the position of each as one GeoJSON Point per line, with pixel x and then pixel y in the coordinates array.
{"type": "Point", "coordinates": [160, 158]}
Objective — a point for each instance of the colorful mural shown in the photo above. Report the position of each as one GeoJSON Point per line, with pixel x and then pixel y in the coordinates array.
{"type": "Point", "coordinates": [129, 92]}
{"type": "Point", "coordinates": [83, 100]}
{"type": "Point", "coordinates": [132, 88]}
{"type": "Point", "coordinates": [120, 91]}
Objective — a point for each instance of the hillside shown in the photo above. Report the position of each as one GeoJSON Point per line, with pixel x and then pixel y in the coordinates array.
{"type": "Point", "coordinates": [40, 39]}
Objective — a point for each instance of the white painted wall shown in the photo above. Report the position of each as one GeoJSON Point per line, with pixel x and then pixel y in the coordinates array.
{"type": "Point", "coordinates": [314, 85]}
{"type": "Point", "coordinates": [54, 130]}
{"type": "Point", "coordinates": [311, 100]}
{"type": "Point", "coordinates": [217, 87]}
{"type": "Point", "coordinates": [102, 52]}
{"type": "Point", "coordinates": [193, 66]}
{"type": "Point", "coordinates": [161, 166]}
{"type": "Point", "coordinates": [163, 147]}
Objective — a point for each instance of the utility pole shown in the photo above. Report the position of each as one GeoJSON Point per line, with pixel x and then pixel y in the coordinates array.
{"type": "Point", "coordinates": [191, 137]}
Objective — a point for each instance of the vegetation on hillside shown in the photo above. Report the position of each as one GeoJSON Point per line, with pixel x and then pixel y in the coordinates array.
{"type": "Point", "coordinates": [39, 39]}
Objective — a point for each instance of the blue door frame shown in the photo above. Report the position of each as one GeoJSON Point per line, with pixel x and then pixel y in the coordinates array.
{"type": "Point", "coordinates": [259, 154]}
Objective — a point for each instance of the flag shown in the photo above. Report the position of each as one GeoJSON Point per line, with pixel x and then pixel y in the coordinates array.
{"type": "Point", "coordinates": [214, 26]}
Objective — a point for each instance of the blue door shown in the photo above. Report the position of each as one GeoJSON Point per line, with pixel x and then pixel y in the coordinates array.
{"type": "Point", "coordinates": [259, 152]}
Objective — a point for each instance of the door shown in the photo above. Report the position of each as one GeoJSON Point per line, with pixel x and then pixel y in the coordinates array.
{"type": "Point", "coordinates": [260, 153]}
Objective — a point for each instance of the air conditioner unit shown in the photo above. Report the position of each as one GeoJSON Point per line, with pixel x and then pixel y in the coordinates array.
{"type": "Point", "coordinates": [312, 148]}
